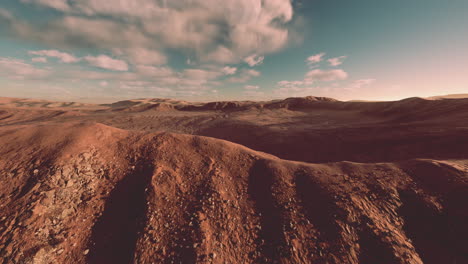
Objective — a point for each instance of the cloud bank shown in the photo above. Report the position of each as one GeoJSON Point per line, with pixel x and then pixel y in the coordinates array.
{"type": "Point", "coordinates": [139, 40]}
{"type": "Point", "coordinates": [19, 70]}
{"type": "Point", "coordinates": [62, 56]}
{"type": "Point", "coordinates": [217, 31]}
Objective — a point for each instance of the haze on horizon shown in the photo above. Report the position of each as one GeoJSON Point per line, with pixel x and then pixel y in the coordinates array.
{"type": "Point", "coordinates": [198, 50]}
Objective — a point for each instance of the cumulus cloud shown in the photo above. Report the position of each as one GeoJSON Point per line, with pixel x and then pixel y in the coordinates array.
{"type": "Point", "coordinates": [326, 76]}
{"type": "Point", "coordinates": [39, 59]}
{"type": "Point", "coordinates": [62, 56]}
{"type": "Point", "coordinates": [221, 54]}
{"type": "Point", "coordinates": [5, 14]}
{"type": "Point", "coordinates": [106, 62]}
{"type": "Point", "coordinates": [294, 89]}
{"type": "Point", "coordinates": [141, 36]}
{"type": "Point", "coordinates": [61, 5]}
{"type": "Point", "coordinates": [80, 32]}
{"type": "Point", "coordinates": [154, 71]}
{"type": "Point", "coordinates": [357, 84]}
{"type": "Point", "coordinates": [304, 87]}
{"type": "Point", "coordinates": [18, 69]}
{"type": "Point", "coordinates": [229, 70]}
{"type": "Point", "coordinates": [224, 32]}
{"type": "Point", "coordinates": [162, 76]}
{"type": "Point", "coordinates": [252, 73]}
{"type": "Point", "coordinates": [88, 74]}
{"type": "Point", "coordinates": [314, 59]}
{"type": "Point", "coordinates": [251, 87]}
{"type": "Point", "coordinates": [200, 74]}
{"type": "Point", "coordinates": [300, 88]}
{"type": "Point", "coordinates": [336, 61]}
{"type": "Point", "coordinates": [288, 84]}
{"type": "Point", "coordinates": [254, 60]}
{"type": "Point", "coordinates": [188, 79]}
{"type": "Point", "coordinates": [244, 76]}
{"type": "Point", "coordinates": [144, 56]}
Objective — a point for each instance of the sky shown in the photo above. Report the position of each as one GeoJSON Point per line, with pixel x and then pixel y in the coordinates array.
{"type": "Point", "coordinates": [207, 50]}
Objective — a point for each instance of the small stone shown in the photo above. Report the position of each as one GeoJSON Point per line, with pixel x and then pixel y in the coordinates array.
{"type": "Point", "coordinates": [86, 252]}
{"type": "Point", "coordinates": [86, 156]}
{"type": "Point", "coordinates": [36, 171]}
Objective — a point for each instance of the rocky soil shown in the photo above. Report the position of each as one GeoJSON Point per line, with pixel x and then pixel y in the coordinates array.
{"type": "Point", "coordinates": [303, 180]}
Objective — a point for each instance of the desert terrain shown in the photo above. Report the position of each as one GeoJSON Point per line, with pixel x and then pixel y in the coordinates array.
{"type": "Point", "coordinates": [299, 180]}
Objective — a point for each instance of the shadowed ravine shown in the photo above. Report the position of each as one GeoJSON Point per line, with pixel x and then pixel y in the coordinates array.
{"type": "Point", "coordinates": [115, 233]}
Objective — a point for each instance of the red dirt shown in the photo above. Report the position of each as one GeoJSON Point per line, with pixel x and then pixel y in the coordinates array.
{"type": "Point", "coordinates": [363, 183]}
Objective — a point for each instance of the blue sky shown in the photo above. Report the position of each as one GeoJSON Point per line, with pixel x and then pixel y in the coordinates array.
{"type": "Point", "coordinates": [96, 51]}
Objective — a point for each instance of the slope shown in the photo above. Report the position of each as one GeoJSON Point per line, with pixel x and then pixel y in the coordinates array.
{"type": "Point", "coordinates": [89, 193]}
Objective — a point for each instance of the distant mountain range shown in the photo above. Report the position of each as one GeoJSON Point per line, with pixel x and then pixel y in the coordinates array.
{"type": "Point", "coordinates": [449, 96]}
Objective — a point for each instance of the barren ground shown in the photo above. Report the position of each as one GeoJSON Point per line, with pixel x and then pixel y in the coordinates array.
{"type": "Point", "coordinates": [300, 180]}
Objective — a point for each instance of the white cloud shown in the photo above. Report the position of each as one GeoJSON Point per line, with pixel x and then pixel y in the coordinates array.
{"type": "Point", "coordinates": [154, 71]}
{"type": "Point", "coordinates": [254, 60]}
{"type": "Point", "coordinates": [294, 88]}
{"type": "Point", "coordinates": [85, 74]}
{"type": "Point", "coordinates": [299, 88]}
{"type": "Point", "coordinates": [315, 58]}
{"type": "Point", "coordinates": [293, 83]}
{"type": "Point", "coordinates": [361, 83]}
{"type": "Point", "coordinates": [62, 56]}
{"type": "Point", "coordinates": [296, 91]}
{"type": "Point", "coordinates": [220, 55]}
{"type": "Point", "coordinates": [229, 70]}
{"type": "Point", "coordinates": [106, 62]}
{"type": "Point", "coordinates": [336, 61]}
{"type": "Point", "coordinates": [39, 59]}
{"type": "Point", "coordinates": [145, 56]}
{"type": "Point", "coordinates": [326, 76]}
{"type": "Point", "coordinates": [304, 87]}
{"type": "Point", "coordinates": [190, 26]}
{"type": "Point", "coordinates": [18, 69]}
{"type": "Point", "coordinates": [137, 36]}
{"type": "Point", "coordinates": [5, 14]}
{"type": "Point", "coordinates": [244, 76]}
{"type": "Point", "coordinates": [253, 73]}
{"type": "Point", "coordinates": [199, 74]}
{"type": "Point", "coordinates": [61, 5]}
{"type": "Point", "coordinates": [134, 85]}
{"type": "Point", "coordinates": [251, 87]}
